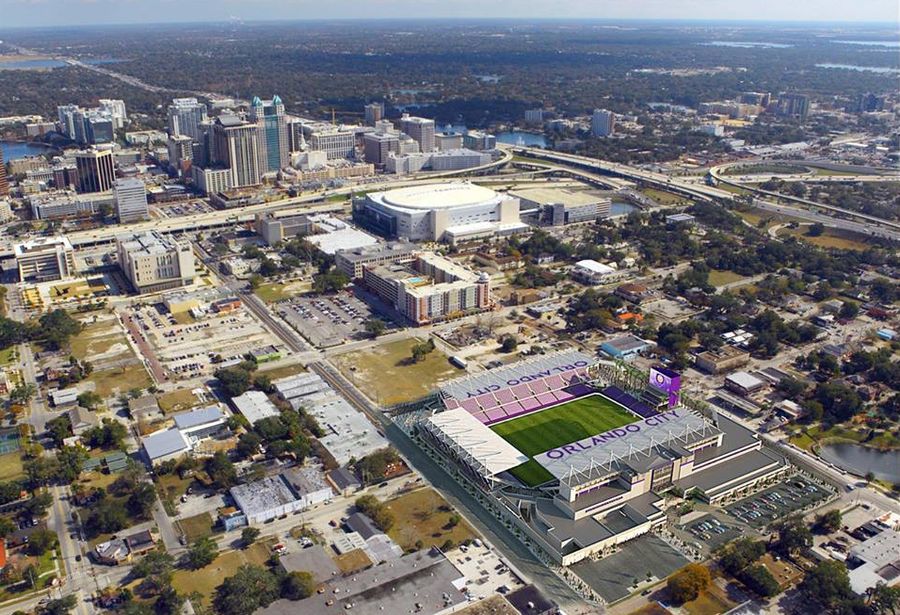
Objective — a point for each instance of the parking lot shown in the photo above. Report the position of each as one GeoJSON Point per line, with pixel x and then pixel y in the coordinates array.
{"type": "Point", "coordinates": [326, 321]}
{"type": "Point", "coordinates": [613, 576]}
{"type": "Point", "coordinates": [793, 495]}
{"type": "Point", "coordinates": [184, 208]}
{"type": "Point", "coordinates": [713, 532]}
{"type": "Point", "coordinates": [194, 348]}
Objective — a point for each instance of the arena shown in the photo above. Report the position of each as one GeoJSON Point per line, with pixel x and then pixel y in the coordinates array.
{"type": "Point", "coordinates": [451, 212]}
{"type": "Point", "coordinates": [581, 453]}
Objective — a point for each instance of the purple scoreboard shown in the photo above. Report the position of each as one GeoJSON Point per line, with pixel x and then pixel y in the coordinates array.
{"type": "Point", "coordinates": [666, 380]}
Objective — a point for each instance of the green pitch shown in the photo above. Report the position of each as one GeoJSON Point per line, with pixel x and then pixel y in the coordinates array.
{"type": "Point", "coordinates": [540, 431]}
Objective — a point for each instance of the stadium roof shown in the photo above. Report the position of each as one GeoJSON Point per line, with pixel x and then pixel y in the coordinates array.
{"type": "Point", "coordinates": [523, 371]}
{"type": "Point", "coordinates": [439, 196]}
{"type": "Point", "coordinates": [475, 442]}
{"type": "Point", "coordinates": [632, 445]}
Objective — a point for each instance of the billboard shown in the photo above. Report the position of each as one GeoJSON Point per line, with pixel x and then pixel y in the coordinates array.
{"type": "Point", "coordinates": [666, 380]}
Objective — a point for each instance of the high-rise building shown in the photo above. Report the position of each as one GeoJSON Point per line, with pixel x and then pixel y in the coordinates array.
{"type": "Point", "coordinates": [534, 116]}
{"type": "Point", "coordinates": [4, 182]}
{"type": "Point", "coordinates": [792, 105]}
{"type": "Point", "coordinates": [115, 108]}
{"type": "Point", "coordinates": [99, 129]}
{"type": "Point", "coordinates": [236, 145]}
{"type": "Point", "coordinates": [760, 99]}
{"type": "Point", "coordinates": [603, 123]}
{"type": "Point", "coordinates": [65, 176]}
{"type": "Point", "coordinates": [181, 152]}
{"type": "Point", "coordinates": [377, 146]}
{"type": "Point", "coordinates": [185, 116]}
{"type": "Point", "coordinates": [131, 200]}
{"type": "Point", "coordinates": [868, 103]}
{"type": "Point", "coordinates": [96, 170]}
{"type": "Point", "coordinates": [446, 141]}
{"type": "Point", "coordinates": [421, 130]}
{"type": "Point", "coordinates": [479, 141]}
{"type": "Point", "coordinates": [273, 143]}
{"type": "Point", "coordinates": [66, 115]}
{"type": "Point", "coordinates": [211, 180]}
{"type": "Point", "coordinates": [45, 259]}
{"type": "Point", "coordinates": [374, 113]}
{"type": "Point", "coordinates": [336, 143]}
{"type": "Point", "coordinates": [153, 262]}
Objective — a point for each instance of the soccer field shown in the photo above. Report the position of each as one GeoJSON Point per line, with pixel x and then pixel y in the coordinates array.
{"type": "Point", "coordinates": [540, 431]}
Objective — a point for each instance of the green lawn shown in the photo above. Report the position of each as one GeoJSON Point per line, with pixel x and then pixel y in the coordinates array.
{"type": "Point", "coordinates": [8, 355]}
{"type": "Point", "coordinates": [719, 277]}
{"type": "Point", "coordinates": [540, 431]}
{"type": "Point", "coordinates": [11, 466]}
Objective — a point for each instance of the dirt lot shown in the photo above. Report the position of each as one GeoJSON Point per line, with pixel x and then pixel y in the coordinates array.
{"type": "Point", "coordinates": [424, 515]}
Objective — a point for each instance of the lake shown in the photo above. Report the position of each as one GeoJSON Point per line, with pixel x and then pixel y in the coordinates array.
{"type": "Point", "coordinates": [868, 69]}
{"type": "Point", "coordinates": [520, 137]}
{"type": "Point", "coordinates": [16, 149]}
{"type": "Point", "coordinates": [885, 465]}
{"type": "Point", "coordinates": [747, 44]}
{"type": "Point", "coordinates": [871, 43]}
{"type": "Point", "coordinates": [44, 63]}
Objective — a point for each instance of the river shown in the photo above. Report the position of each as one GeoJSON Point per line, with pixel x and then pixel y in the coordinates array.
{"type": "Point", "coordinates": [885, 465]}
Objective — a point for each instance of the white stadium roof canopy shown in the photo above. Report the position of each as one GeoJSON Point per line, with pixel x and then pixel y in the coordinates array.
{"type": "Point", "coordinates": [474, 442]}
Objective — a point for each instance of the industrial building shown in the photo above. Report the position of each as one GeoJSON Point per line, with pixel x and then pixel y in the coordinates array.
{"type": "Point", "coordinates": [153, 262]}
{"type": "Point", "coordinates": [560, 206]}
{"type": "Point", "coordinates": [45, 259]}
{"type": "Point", "coordinates": [255, 406]}
{"type": "Point", "coordinates": [276, 496]}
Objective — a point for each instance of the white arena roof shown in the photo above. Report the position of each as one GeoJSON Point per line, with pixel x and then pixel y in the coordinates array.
{"type": "Point", "coordinates": [439, 196]}
{"type": "Point", "coordinates": [474, 442]}
{"type": "Point", "coordinates": [634, 443]}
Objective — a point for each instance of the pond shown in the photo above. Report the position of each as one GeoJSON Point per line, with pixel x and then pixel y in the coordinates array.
{"type": "Point", "coordinates": [19, 149]}
{"type": "Point", "coordinates": [621, 208]}
{"type": "Point", "coordinates": [869, 69]}
{"type": "Point", "coordinates": [520, 137]}
{"type": "Point", "coordinates": [885, 465]}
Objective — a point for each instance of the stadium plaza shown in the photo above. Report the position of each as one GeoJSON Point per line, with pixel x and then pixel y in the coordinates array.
{"type": "Point", "coordinates": [580, 453]}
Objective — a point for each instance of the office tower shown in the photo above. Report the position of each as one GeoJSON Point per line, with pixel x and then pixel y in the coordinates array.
{"type": "Point", "coordinates": [760, 99]}
{"type": "Point", "coordinates": [181, 152]}
{"type": "Point", "coordinates": [273, 143]}
{"type": "Point", "coordinates": [211, 180]}
{"type": "Point", "coordinates": [185, 116]}
{"type": "Point", "coordinates": [96, 170]}
{"type": "Point", "coordinates": [235, 144]}
{"type": "Point", "coordinates": [534, 116]}
{"type": "Point", "coordinates": [131, 200]}
{"type": "Point", "coordinates": [793, 105]}
{"type": "Point", "coordinates": [65, 176]}
{"type": "Point", "coordinates": [374, 113]}
{"type": "Point", "coordinates": [336, 143]}
{"type": "Point", "coordinates": [4, 182]}
{"type": "Point", "coordinates": [66, 115]}
{"type": "Point", "coordinates": [603, 123]}
{"type": "Point", "coordinates": [45, 259]}
{"type": "Point", "coordinates": [377, 146]}
{"type": "Point", "coordinates": [115, 108]}
{"type": "Point", "coordinates": [867, 103]}
{"type": "Point", "coordinates": [479, 141]}
{"type": "Point", "coordinates": [421, 130]}
{"type": "Point", "coordinates": [99, 129]}
{"type": "Point", "coordinates": [447, 141]}
{"type": "Point", "coordinates": [153, 262]}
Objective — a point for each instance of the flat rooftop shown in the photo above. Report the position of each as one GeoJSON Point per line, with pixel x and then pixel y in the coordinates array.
{"type": "Point", "coordinates": [558, 196]}
{"type": "Point", "coordinates": [263, 495]}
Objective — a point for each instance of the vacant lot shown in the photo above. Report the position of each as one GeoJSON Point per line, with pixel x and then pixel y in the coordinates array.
{"type": "Point", "coordinates": [424, 516]}
{"type": "Point", "coordinates": [388, 376]}
{"type": "Point", "coordinates": [282, 371]}
{"type": "Point", "coordinates": [206, 580]}
{"type": "Point", "coordinates": [108, 382]}
{"type": "Point", "coordinates": [196, 527]}
{"type": "Point", "coordinates": [540, 431]}
{"type": "Point", "coordinates": [276, 291]}
{"type": "Point", "coordinates": [830, 238]}
{"type": "Point", "coordinates": [11, 466]}
{"type": "Point", "coordinates": [662, 197]}
{"type": "Point", "coordinates": [719, 277]}
{"type": "Point", "coordinates": [177, 401]}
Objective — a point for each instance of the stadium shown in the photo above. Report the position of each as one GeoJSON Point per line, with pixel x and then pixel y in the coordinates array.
{"type": "Point", "coordinates": [580, 453]}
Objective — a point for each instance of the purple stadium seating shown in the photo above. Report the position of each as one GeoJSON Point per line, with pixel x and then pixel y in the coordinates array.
{"type": "Point", "coordinates": [486, 401]}
{"type": "Point", "coordinates": [450, 403]}
{"type": "Point", "coordinates": [495, 415]}
{"type": "Point", "coordinates": [521, 391]}
{"type": "Point", "coordinates": [539, 386]}
{"type": "Point", "coordinates": [505, 396]}
{"type": "Point", "coordinates": [546, 398]}
{"type": "Point", "coordinates": [470, 405]}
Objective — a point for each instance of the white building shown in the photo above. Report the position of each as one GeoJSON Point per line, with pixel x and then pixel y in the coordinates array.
{"type": "Point", "coordinates": [603, 123]}
{"type": "Point", "coordinates": [212, 180]}
{"type": "Point", "coordinates": [153, 262]}
{"type": "Point", "coordinates": [255, 406]}
{"type": "Point", "coordinates": [161, 446]}
{"type": "Point", "coordinates": [185, 116]}
{"type": "Point", "coordinates": [420, 129]}
{"type": "Point", "coordinates": [45, 259]}
{"type": "Point", "coordinates": [131, 200]}
{"type": "Point", "coordinates": [284, 494]}
{"type": "Point", "coordinates": [592, 272]}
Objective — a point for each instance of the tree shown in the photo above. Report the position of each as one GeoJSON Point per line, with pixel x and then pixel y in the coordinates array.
{"type": "Point", "coordinates": [89, 400]}
{"type": "Point", "coordinates": [251, 588]}
{"type": "Point", "coordinates": [140, 502]}
{"type": "Point", "coordinates": [69, 461]}
{"type": "Point", "coordinates": [59, 429]}
{"type": "Point", "coordinates": [815, 229]}
{"type": "Point", "coordinates": [221, 470]}
{"type": "Point", "coordinates": [23, 393]}
{"type": "Point", "coordinates": [249, 535]}
{"type": "Point", "coordinates": [248, 444]}
{"type": "Point", "coordinates": [686, 584]}
{"type": "Point", "coordinates": [60, 606]}
{"type": "Point", "coordinates": [849, 309]}
{"type": "Point", "coordinates": [41, 541]}
{"type": "Point", "coordinates": [6, 527]}
{"type": "Point", "coordinates": [509, 344]}
{"type": "Point", "coordinates": [375, 327]}
{"type": "Point", "coordinates": [156, 568]}
{"type": "Point", "coordinates": [169, 602]}
{"type": "Point", "coordinates": [106, 516]}
{"type": "Point", "coordinates": [826, 586]}
{"type": "Point", "coordinates": [202, 553]}
{"type": "Point", "coordinates": [793, 535]}
{"type": "Point", "coordinates": [741, 553]}
{"type": "Point", "coordinates": [373, 467]}
{"type": "Point", "coordinates": [56, 327]}
{"type": "Point", "coordinates": [828, 522]}
{"type": "Point", "coordinates": [234, 380]}
{"type": "Point", "coordinates": [757, 578]}
{"type": "Point", "coordinates": [298, 585]}
{"type": "Point", "coordinates": [884, 600]}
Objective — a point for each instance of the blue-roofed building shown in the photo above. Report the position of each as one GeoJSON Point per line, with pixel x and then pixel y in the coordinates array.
{"type": "Point", "coordinates": [625, 347]}
{"type": "Point", "coordinates": [200, 423]}
{"type": "Point", "coordinates": [164, 445]}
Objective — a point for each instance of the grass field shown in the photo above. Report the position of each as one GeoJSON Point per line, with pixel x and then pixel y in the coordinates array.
{"type": "Point", "coordinates": [177, 400]}
{"type": "Point", "coordinates": [540, 431]}
{"type": "Point", "coordinates": [424, 515]}
{"type": "Point", "coordinates": [662, 197]}
{"type": "Point", "coordinates": [196, 527]}
{"type": "Point", "coordinates": [108, 382]}
{"type": "Point", "coordinates": [8, 355]}
{"type": "Point", "coordinates": [830, 238]}
{"type": "Point", "coordinates": [386, 374]}
{"type": "Point", "coordinates": [206, 580]}
{"type": "Point", "coordinates": [720, 277]}
{"type": "Point", "coordinates": [11, 466]}
{"type": "Point", "coordinates": [273, 292]}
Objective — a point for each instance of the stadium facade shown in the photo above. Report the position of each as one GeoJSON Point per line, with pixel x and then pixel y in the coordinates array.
{"type": "Point", "coordinates": [606, 488]}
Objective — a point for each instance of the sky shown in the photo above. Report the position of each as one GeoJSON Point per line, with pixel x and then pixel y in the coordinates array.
{"type": "Point", "coordinates": [19, 13]}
